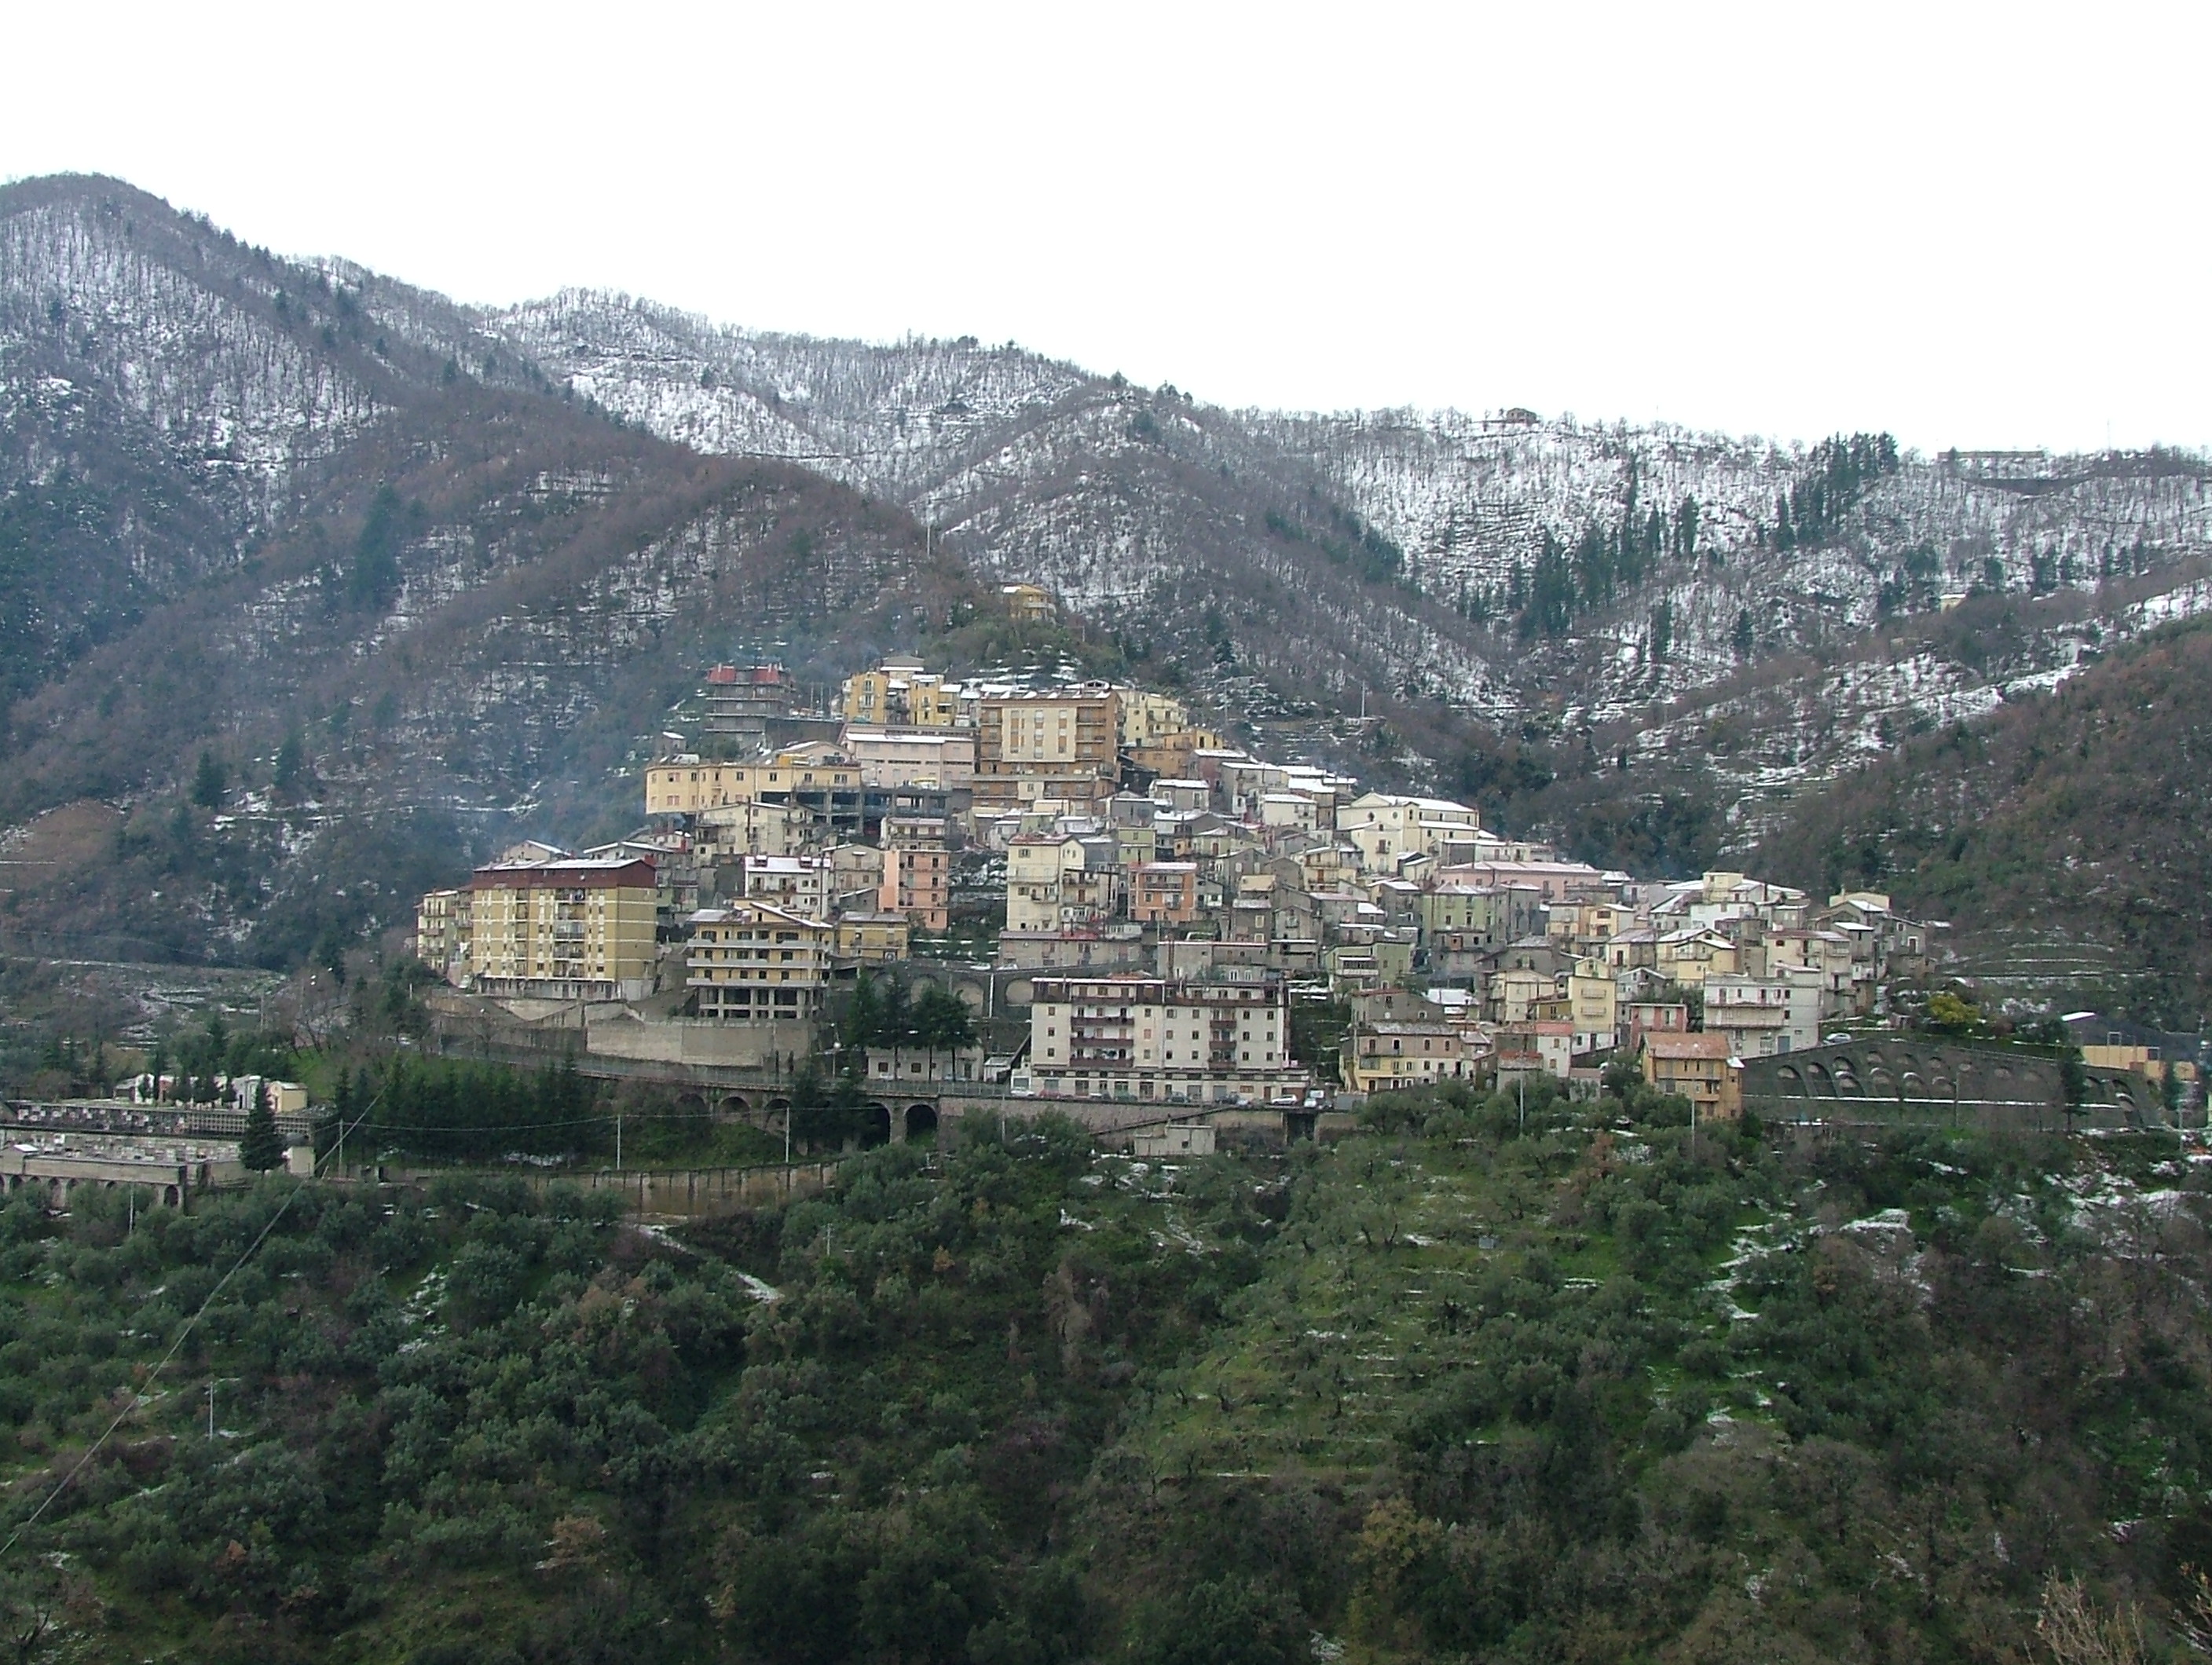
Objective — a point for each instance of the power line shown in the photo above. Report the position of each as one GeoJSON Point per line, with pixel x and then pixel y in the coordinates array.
{"type": "Point", "coordinates": [138, 1398]}
{"type": "Point", "coordinates": [527, 1126]}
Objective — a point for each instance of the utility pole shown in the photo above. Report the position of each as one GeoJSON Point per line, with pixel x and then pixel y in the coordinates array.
{"type": "Point", "coordinates": [618, 1122]}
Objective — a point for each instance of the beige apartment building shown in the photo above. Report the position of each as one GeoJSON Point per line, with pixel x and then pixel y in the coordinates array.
{"type": "Point", "coordinates": [1148, 718]}
{"type": "Point", "coordinates": [894, 757]}
{"type": "Point", "coordinates": [1186, 1039]}
{"type": "Point", "coordinates": [754, 962]}
{"type": "Point", "coordinates": [1594, 1006]}
{"type": "Point", "coordinates": [689, 785]}
{"type": "Point", "coordinates": [899, 693]}
{"type": "Point", "coordinates": [873, 938]}
{"type": "Point", "coordinates": [569, 930]}
{"type": "Point", "coordinates": [753, 828]}
{"type": "Point", "coordinates": [1056, 882]}
{"type": "Point", "coordinates": [1383, 826]}
{"type": "Point", "coordinates": [1031, 604]}
{"type": "Point", "coordinates": [1070, 736]}
{"type": "Point", "coordinates": [1698, 1066]}
{"type": "Point", "coordinates": [1390, 1054]}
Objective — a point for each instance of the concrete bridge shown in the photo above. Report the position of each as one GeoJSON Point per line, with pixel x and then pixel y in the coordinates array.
{"type": "Point", "coordinates": [1912, 1078]}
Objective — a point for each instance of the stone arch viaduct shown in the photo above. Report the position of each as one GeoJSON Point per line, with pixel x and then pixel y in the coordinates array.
{"type": "Point", "coordinates": [1916, 1078]}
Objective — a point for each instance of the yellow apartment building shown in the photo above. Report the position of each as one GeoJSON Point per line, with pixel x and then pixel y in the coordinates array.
{"type": "Point", "coordinates": [689, 785]}
{"type": "Point", "coordinates": [755, 963]}
{"type": "Point", "coordinates": [873, 938]}
{"type": "Point", "coordinates": [569, 930]}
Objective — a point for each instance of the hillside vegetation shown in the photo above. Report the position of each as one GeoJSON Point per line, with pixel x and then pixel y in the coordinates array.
{"type": "Point", "coordinates": [1588, 1387]}
{"type": "Point", "coordinates": [2063, 836]}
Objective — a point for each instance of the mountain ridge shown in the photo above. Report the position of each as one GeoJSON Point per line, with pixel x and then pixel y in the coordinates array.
{"type": "Point", "coordinates": [1644, 642]}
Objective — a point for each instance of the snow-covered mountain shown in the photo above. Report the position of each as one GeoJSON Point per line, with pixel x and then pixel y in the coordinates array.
{"type": "Point", "coordinates": [1142, 509]}
{"type": "Point", "coordinates": [1577, 621]}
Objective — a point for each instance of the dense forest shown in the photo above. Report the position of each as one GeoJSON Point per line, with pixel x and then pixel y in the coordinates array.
{"type": "Point", "coordinates": [1570, 1383]}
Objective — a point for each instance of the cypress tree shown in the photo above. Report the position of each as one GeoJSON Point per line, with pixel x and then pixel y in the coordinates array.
{"type": "Point", "coordinates": [262, 1149]}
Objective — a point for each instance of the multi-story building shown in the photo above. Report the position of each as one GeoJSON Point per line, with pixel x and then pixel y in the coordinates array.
{"type": "Point", "coordinates": [442, 929]}
{"type": "Point", "coordinates": [1163, 892]}
{"type": "Point", "coordinates": [1292, 811]}
{"type": "Point", "coordinates": [1385, 825]}
{"type": "Point", "coordinates": [1058, 881]}
{"type": "Point", "coordinates": [900, 694]}
{"type": "Point", "coordinates": [1069, 737]}
{"type": "Point", "coordinates": [873, 938]}
{"type": "Point", "coordinates": [944, 757]}
{"type": "Point", "coordinates": [1495, 914]}
{"type": "Point", "coordinates": [741, 702]}
{"type": "Point", "coordinates": [729, 830]}
{"type": "Point", "coordinates": [754, 963]}
{"type": "Point", "coordinates": [1762, 1016]}
{"type": "Point", "coordinates": [1656, 1018]}
{"type": "Point", "coordinates": [1541, 1043]}
{"type": "Point", "coordinates": [1148, 719]}
{"type": "Point", "coordinates": [917, 872]}
{"type": "Point", "coordinates": [1556, 880]}
{"type": "Point", "coordinates": [812, 777]}
{"type": "Point", "coordinates": [1846, 982]}
{"type": "Point", "coordinates": [1698, 1066]}
{"type": "Point", "coordinates": [799, 883]}
{"type": "Point", "coordinates": [1196, 1040]}
{"type": "Point", "coordinates": [1594, 1006]}
{"type": "Point", "coordinates": [1172, 756]}
{"type": "Point", "coordinates": [1028, 604]}
{"type": "Point", "coordinates": [568, 930]}
{"type": "Point", "coordinates": [1515, 991]}
{"type": "Point", "coordinates": [1689, 957]}
{"type": "Point", "coordinates": [1392, 1054]}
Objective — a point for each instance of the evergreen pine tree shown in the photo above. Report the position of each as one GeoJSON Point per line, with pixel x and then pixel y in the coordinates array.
{"type": "Point", "coordinates": [207, 783]}
{"type": "Point", "coordinates": [291, 771]}
{"type": "Point", "coordinates": [262, 1148]}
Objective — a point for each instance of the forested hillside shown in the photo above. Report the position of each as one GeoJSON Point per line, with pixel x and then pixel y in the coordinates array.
{"type": "Point", "coordinates": [1583, 1386]}
{"type": "Point", "coordinates": [2064, 835]}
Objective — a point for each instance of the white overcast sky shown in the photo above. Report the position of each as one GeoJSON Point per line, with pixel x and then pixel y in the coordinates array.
{"type": "Point", "coordinates": [1975, 226]}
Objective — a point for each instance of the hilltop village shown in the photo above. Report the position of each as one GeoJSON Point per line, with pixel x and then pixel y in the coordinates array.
{"type": "Point", "coordinates": [1130, 908]}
